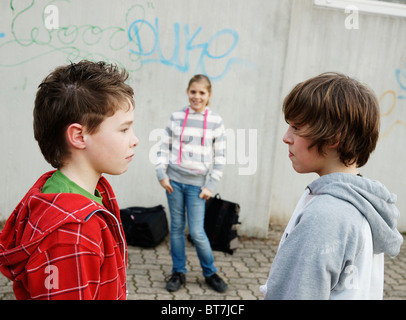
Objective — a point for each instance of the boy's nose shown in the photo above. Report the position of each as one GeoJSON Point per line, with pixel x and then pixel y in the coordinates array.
{"type": "Point", "coordinates": [287, 137]}
{"type": "Point", "coordinates": [135, 142]}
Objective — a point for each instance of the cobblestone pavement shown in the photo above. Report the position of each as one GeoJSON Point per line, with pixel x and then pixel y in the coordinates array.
{"type": "Point", "coordinates": [244, 271]}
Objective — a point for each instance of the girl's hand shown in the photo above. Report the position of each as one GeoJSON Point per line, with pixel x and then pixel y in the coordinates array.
{"type": "Point", "coordinates": [165, 183]}
{"type": "Point", "coordinates": [205, 194]}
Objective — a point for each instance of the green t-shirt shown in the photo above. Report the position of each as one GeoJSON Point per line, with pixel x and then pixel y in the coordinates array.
{"type": "Point", "coordinates": [59, 183]}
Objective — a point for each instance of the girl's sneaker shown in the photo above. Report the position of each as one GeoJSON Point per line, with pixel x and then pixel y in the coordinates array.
{"type": "Point", "coordinates": [216, 283]}
{"type": "Point", "coordinates": [174, 283]}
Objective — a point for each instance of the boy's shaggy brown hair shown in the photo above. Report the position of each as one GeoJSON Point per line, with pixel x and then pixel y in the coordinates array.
{"type": "Point", "coordinates": [85, 93]}
{"type": "Point", "coordinates": [339, 109]}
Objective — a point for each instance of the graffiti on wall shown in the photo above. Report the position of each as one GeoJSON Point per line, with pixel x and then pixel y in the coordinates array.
{"type": "Point", "coordinates": [191, 44]}
{"type": "Point", "coordinates": [394, 100]}
{"type": "Point", "coordinates": [33, 37]}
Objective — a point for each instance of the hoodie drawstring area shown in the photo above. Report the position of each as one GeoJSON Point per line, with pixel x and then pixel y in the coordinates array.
{"type": "Point", "coordinates": [183, 129]}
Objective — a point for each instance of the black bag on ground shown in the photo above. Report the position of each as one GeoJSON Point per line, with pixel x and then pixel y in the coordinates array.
{"type": "Point", "coordinates": [220, 224]}
{"type": "Point", "coordinates": [144, 227]}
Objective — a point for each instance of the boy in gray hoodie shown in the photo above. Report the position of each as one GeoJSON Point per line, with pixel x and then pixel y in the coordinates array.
{"type": "Point", "coordinates": [334, 244]}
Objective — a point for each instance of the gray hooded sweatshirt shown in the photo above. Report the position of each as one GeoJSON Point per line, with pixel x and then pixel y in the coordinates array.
{"type": "Point", "coordinates": [334, 244]}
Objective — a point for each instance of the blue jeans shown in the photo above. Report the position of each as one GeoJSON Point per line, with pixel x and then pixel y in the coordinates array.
{"type": "Point", "coordinates": [183, 197]}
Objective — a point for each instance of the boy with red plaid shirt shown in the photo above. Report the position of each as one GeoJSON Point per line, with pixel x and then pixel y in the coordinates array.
{"type": "Point", "coordinates": [64, 240]}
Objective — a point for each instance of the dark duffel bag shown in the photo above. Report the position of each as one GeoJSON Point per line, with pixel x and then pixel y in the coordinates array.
{"type": "Point", "coordinates": [144, 227]}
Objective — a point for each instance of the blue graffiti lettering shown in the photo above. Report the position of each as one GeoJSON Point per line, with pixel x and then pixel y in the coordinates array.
{"type": "Point", "coordinates": [401, 79]}
{"type": "Point", "coordinates": [137, 36]}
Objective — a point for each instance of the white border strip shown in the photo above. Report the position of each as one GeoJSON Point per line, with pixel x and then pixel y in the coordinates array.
{"type": "Point", "coordinates": [365, 6]}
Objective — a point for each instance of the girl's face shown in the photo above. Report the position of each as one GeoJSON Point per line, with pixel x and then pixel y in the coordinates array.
{"type": "Point", "coordinates": [199, 96]}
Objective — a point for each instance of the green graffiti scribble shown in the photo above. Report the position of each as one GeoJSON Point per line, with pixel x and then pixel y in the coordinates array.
{"type": "Point", "coordinates": [74, 42]}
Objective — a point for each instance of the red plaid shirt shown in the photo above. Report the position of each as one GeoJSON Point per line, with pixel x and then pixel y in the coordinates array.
{"type": "Point", "coordinates": [65, 246]}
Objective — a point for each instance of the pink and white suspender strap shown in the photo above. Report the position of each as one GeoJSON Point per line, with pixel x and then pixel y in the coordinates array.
{"type": "Point", "coordinates": [204, 126]}
{"type": "Point", "coordinates": [183, 129]}
{"type": "Point", "coordinates": [181, 136]}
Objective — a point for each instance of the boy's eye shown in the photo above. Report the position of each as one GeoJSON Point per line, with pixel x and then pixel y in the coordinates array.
{"type": "Point", "coordinates": [292, 126]}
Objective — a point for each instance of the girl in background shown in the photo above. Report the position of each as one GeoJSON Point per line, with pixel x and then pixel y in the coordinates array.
{"type": "Point", "coordinates": [191, 160]}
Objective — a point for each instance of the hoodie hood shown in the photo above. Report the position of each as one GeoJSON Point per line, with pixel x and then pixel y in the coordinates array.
{"type": "Point", "coordinates": [373, 200]}
{"type": "Point", "coordinates": [35, 217]}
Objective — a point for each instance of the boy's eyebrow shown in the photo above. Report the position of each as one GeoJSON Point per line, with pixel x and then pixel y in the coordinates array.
{"type": "Point", "coordinates": [127, 123]}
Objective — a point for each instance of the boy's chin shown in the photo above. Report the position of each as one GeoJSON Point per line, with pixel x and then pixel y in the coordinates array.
{"type": "Point", "coordinates": [117, 172]}
{"type": "Point", "coordinates": [301, 170]}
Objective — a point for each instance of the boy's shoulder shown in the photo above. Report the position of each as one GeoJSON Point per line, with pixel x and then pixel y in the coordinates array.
{"type": "Point", "coordinates": [345, 202]}
{"type": "Point", "coordinates": [39, 215]}
{"type": "Point", "coordinates": [334, 208]}
{"type": "Point", "coordinates": [330, 225]}
{"type": "Point", "coordinates": [48, 211]}
{"type": "Point", "coordinates": [328, 212]}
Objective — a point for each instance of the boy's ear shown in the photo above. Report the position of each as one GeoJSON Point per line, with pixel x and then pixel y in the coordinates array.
{"type": "Point", "coordinates": [333, 145]}
{"type": "Point", "coordinates": [75, 136]}
{"type": "Point", "coordinates": [334, 142]}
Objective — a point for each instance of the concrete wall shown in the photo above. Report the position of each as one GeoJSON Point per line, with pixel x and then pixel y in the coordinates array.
{"type": "Point", "coordinates": [254, 51]}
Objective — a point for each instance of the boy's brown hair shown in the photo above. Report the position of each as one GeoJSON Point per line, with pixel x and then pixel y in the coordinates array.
{"type": "Point", "coordinates": [339, 109]}
{"type": "Point", "coordinates": [85, 93]}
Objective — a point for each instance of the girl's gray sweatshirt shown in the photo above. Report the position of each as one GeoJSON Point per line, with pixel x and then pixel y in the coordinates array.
{"type": "Point", "coordinates": [202, 150]}
{"type": "Point", "coordinates": [334, 244]}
